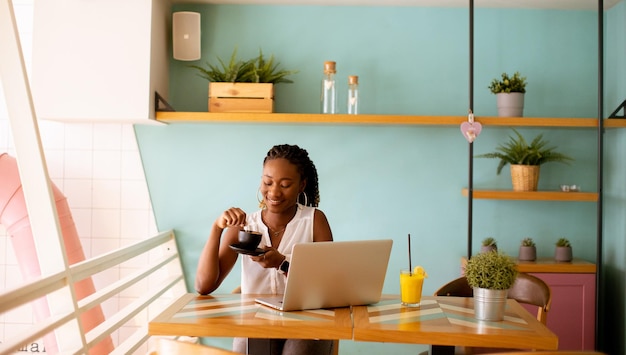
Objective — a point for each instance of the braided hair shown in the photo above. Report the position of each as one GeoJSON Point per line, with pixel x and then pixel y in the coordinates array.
{"type": "Point", "coordinates": [300, 158]}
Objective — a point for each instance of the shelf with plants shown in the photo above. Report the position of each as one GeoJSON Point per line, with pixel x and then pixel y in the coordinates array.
{"type": "Point", "coordinates": [378, 119]}
{"type": "Point", "coordinates": [525, 157]}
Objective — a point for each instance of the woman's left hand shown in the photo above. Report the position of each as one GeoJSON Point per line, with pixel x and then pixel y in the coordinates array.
{"type": "Point", "coordinates": [270, 259]}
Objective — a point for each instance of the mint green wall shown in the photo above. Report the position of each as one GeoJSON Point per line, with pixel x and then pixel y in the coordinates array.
{"type": "Point", "coordinates": [398, 54]}
{"type": "Point", "coordinates": [385, 182]}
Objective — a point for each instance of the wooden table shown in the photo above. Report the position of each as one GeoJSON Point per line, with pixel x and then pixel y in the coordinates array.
{"type": "Point", "coordinates": [441, 321]}
{"type": "Point", "coordinates": [236, 315]}
{"type": "Point", "coordinates": [445, 322]}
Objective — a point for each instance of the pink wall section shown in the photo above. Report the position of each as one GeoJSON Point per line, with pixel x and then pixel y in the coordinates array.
{"type": "Point", "coordinates": [14, 216]}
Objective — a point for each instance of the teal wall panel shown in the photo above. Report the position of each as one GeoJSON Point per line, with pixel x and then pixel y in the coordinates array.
{"type": "Point", "coordinates": [410, 60]}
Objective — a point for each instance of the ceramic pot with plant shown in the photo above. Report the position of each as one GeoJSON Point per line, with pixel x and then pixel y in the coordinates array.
{"type": "Point", "coordinates": [509, 91]}
{"type": "Point", "coordinates": [490, 275]}
{"type": "Point", "coordinates": [488, 244]}
{"type": "Point", "coordinates": [563, 250]}
{"type": "Point", "coordinates": [525, 159]}
{"type": "Point", "coordinates": [527, 250]}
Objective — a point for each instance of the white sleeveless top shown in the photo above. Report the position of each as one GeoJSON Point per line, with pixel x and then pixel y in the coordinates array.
{"type": "Point", "coordinates": [256, 279]}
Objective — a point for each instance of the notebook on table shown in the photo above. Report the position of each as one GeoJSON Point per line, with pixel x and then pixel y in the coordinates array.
{"type": "Point", "coordinates": [333, 274]}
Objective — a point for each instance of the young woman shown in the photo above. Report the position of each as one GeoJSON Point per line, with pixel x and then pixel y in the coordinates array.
{"type": "Point", "coordinates": [288, 215]}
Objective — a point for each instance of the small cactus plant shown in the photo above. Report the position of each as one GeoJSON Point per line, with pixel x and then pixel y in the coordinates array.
{"type": "Point", "coordinates": [528, 250]}
{"type": "Point", "coordinates": [563, 250]}
{"type": "Point", "coordinates": [489, 242]}
{"type": "Point", "coordinates": [563, 242]}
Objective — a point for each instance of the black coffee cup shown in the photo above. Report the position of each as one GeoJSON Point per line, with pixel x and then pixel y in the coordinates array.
{"type": "Point", "coordinates": [249, 240]}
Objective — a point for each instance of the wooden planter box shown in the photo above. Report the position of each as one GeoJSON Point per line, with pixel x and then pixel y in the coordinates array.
{"type": "Point", "coordinates": [241, 97]}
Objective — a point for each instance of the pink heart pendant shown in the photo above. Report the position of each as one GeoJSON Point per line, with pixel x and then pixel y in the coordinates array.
{"type": "Point", "coordinates": [471, 130]}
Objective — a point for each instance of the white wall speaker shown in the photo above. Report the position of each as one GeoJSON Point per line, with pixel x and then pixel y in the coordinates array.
{"type": "Point", "coordinates": [186, 35]}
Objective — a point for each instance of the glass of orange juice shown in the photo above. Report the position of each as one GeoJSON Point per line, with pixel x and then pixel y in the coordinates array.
{"type": "Point", "coordinates": [411, 283]}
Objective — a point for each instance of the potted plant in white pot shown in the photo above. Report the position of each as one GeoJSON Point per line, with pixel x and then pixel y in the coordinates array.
{"type": "Point", "coordinates": [509, 91]}
{"type": "Point", "coordinates": [488, 244]}
{"type": "Point", "coordinates": [243, 85]}
{"type": "Point", "coordinates": [563, 250]}
{"type": "Point", "coordinates": [491, 275]}
{"type": "Point", "coordinates": [525, 159]}
{"type": "Point", "coordinates": [527, 250]}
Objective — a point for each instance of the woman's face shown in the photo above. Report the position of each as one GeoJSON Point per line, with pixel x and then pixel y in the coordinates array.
{"type": "Point", "coordinates": [280, 185]}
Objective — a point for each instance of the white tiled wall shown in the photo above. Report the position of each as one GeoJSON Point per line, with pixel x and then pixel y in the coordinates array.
{"type": "Point", "coordinates": [98, 169]}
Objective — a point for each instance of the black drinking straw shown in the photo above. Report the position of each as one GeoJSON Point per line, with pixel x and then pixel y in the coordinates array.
{"type": "Point", "coordinates": [410, 267]}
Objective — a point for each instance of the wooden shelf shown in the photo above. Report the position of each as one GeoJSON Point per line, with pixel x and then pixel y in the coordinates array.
{"type": "Point", "coordinates": [344, 119]}
{"type": "Point", "coordinates": [532, 195]}
{"type": "Point", "coordinates": [549, 265]}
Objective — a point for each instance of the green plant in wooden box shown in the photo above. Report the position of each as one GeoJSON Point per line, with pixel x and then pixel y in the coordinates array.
{"type": "Point", "coordinates": [243, 85]}
{"type": "Point", "coordinates": [255, 70]}
{"type": "Point", "coordinates": [525, 159]}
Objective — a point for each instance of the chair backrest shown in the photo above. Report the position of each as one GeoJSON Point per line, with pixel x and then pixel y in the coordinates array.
{"type": "Point", "coordinates": [532, 290]}
{"type": "Point", "coordinates": [526, 289]}
{"type": "Point", "coordinates": [176, 347]}
{"type": "Point", "coordinates": [456, 288]}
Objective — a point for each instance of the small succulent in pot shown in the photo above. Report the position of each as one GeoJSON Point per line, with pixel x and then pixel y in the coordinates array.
{"type": "Point", "coordinates": [488, 244]}
{"type": "Point", "coordinates": [508, 84]}
{"type": "Point", "coordinates": [563, 242]}
{"type": "Point", "coordinates": [527, 250]}
{"type": "Point", "coordinates": [563, 251]}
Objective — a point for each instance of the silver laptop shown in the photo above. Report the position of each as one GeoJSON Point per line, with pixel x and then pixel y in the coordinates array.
{"type": "Point", "coordinates": [333, 274]}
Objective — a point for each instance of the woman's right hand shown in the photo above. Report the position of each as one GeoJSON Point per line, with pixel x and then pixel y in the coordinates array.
{"type": "Point", "coordinates": [232, 217]}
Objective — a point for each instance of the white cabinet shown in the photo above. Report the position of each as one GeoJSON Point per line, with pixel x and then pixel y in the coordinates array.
{"type": "Point", "coordinates": [100, 60]}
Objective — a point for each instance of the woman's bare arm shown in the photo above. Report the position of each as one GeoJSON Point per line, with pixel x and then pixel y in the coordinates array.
{"type": "Point", "coordinates": [321, 228]}
{"type": "Point", "coordinates": [217, 259]}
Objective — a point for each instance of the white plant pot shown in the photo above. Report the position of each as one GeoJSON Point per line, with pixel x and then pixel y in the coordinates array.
{"type": "Point", "coordinates": [510, 104]}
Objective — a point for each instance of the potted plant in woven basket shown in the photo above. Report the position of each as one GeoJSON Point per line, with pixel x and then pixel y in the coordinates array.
{"type": "Point", "coordinates": [491, 275]}
{"type": "Point", "coordinates": [509, 91]}
{"type": "Point", "coordinates": [527, 250]}
{"type": "Point", "coordinates": [563, 250]}
{"type": "Point", "coordinates": [243, 85]}
{"type": "Point", "coordinates": [525, 159]}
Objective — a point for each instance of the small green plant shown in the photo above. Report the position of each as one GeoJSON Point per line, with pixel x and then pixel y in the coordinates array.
{"type": "Point", "coordinates": [506, 84]}
{"type": "Point", "coordinates": [489, 241]}
{"type": "Point", "coordinates": [563, 242]}
{"type": "Point", "coordinates": [518, 152]}
{"type": "Point", "coordinates": [255, 70]}
{"type": "Point", "coordinates": [528, 242]}
{"type": "Point", "coordinates": [493, 270]}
